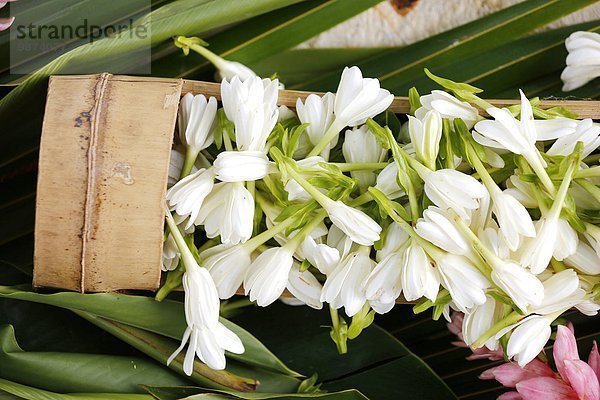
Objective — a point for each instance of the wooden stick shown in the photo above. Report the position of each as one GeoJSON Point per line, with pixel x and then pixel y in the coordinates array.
{"type": "Point", "coordinates": [287, 294]}
{"type": "Point", "coordinates": [583, 108]}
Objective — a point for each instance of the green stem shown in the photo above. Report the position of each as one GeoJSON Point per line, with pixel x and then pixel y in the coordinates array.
{"type": "Point", "coordinates": [534, 160]}
{"type": "Point", "coordinates": [484, 175]}
{"type": "Point", "coordinates": [590, 188]}
{"type": "Point", "coordinates": [341, 344]}
{"type": "Point", "coordinates": [360, 200]}
{"type": "Point", "coordinates": [322, 199]}
{"type": "Point", "coordinates": [306, 230]}
{"type": "Point", "coordinates": [172, 282]}
{"type": "Point", "coordinates": [510, 319]}
{"type": "Point", "coordinates": [399, 154]}
{"type": "Point", "coordinates": [190, 159]}
{"type": "Point", "coordinates": [347, 167]}
{"type": "Point", "coordinates": [333, 130]}
{"type": "Point", "coordinates": [588, 172]}
{"type": "Point", "coordinates": [209, 55]}
{"type": "Point", "coordinates": [227, 141]}
{"type": "Point", "coordinates": [482, 249]}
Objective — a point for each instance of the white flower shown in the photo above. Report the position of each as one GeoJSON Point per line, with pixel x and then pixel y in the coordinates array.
{"type": "Point", "coordinates": [267, 277]}
{"type": "Point", "coordinates": [196, 121]}
{"type": "Point", "coordinates": [227, 264]}
{"type": "Point", "coordinates": [517, 136]}
{"type": "Point", "coordinates": [425, 136]}
{"type": "Point", "coordinates": [419, 277]}
{"type": "Point", "coordinates": [317, 112]}
{"type": "Point", "coordinates": [585, 259]}
{"type": "Point", "coordinates": [295, 191]}
{"type": "Point", "coordinates": [520, 285]}
{"type": "Point", "coordinates": [521, 191]}
{"type": "Point", "coordinates": [387, 182]}
{"type": "Point", "coordinates": [337, 239]}
{"type": "Point", "coordinates": [586, 132]}
{"type": "Point", "coordinates": [528, 338]}
{"type": "Point", "coordinates": [252, 107]}
{"type": "Point", "coordinates": [480, 320]}
{"type": "Point", "coordinates": [320, 255]}
{"type": "Point", "coordinates": [464, 282]}
{"type": "Point", "coordinates": [228, 69]}
{"type": "Point", "coordinates": [285, 114]}
{"type": "Point", "coordinates": [448, 106]}
{"type": "Point", "coordinates": [361, 146]}
{"type": "Point", "coordinates": [554, 238]}
{"type": "Point", "coordinates": [187, 196]}
{"type": "Point", "coordinates": [561, 292]}
{"type": "Point", "coordinates": [583, 61]}
{"type": "Point", "coordinates": [344, 287]}
{"type": "Point", "coordinates": [383, 286]}
{"type": "Point", "coordinates": [305, 287]}
{"type": "Point", "coordinates": [513, 218]}
{"type": "Point", "coordinates": [358, 98]}
{"type": "Point", "coordinates": [354, 223]}
{"type": "Point", "coordinates": [437, 228]}
{"type": "Point", "coordinates": [394, 240]}
{"type": "Point", "coordinates": [241, 166]}
{"type": "Point", "coordinates": [170, 254]}
{"type": "Point", "coordinates": [550, 129]}
{"type": "Point", "coordinates": [451, 189]}
{"type": "Point", "coordinates": [208, 338]}
{"type": "Point", "coordinates": [229, 212]}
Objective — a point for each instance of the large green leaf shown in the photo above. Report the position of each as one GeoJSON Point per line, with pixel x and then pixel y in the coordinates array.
{"type": "Point", "coordinates": [397, 68]}
{"type": "Point", "coordinates": [513, 64]}
{"type": "Point", "coordinates": [377, 364]}
{"type": "Point", "coordinates": [30, 393]}
{"type": "Point", "coordinates": [160, 348]}
{"type": "Point", "coordinates": [78, 372]}
{"type": "Point", "coordinates": [115, 54]}
{"type": "Point", "coordinates": [264, 36]}
{"type": "Point", "coordinates": [165, 393]}
{"type": "Point", "coordinates": [67, 13]}
{"type": "Point", "coordinates": [165, 318]}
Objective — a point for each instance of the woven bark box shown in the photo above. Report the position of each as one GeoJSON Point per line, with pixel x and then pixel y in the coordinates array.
{"type": "Point", "coordinates": [104, 157]}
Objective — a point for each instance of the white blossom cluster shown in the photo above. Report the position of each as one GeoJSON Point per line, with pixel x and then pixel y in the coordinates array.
{"type": "Point", "coordinates": [495, 217]}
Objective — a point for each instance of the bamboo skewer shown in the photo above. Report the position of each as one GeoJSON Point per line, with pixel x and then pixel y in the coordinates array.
{"type": "Point", "coordinates": [583, 108]}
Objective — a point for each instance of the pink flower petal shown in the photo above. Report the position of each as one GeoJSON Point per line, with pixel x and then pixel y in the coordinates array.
{"type": "Point", "coordinates": [510, 374]}
{"type": "Point", "coordinates": [510, 396]}
{"type": "Point", "coordinates": [545, 388]}
{"type": "Point", "coordinates": [5, 23]}
{"type": "Point", "coordinates": [583, 379]}
{"type": "Point", "coordinates": [594, 360]}
{"type": "Point", "coordinates": [565, 348]}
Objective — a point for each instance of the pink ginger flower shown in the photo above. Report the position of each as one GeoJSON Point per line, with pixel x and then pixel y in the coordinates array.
{"type": "Point", "coordinates": [575, 380]}
{"type": "Point", "coordinates": [5, 23]}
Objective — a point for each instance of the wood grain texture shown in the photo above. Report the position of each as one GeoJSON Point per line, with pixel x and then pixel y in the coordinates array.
{"type": "Point", "coordinates": [104, 162]}
{"type": "Point", "coordinates": [400, 105]}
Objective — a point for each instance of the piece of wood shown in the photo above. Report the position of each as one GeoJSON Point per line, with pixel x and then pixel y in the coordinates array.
{"type": "Point", "coordinates": [104, 159]}
{"type": "Point", "coordinates": [583, 108]}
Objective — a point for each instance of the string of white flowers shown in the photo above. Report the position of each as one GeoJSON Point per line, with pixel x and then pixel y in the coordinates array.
{"type": "Point", "coordinates": [497, 218]}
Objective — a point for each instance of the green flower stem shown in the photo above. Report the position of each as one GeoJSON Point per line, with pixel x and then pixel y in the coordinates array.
{"type": "Point", "coordinates": [534, 160]}
{"type": "Point", "coordinates": [202, 50]}
{"type": "Point", "coordinates": [557, 265]}
{"type": "Point", "coordinates": [347, 167]}
{"type": "Point", "coordinates": [322, 199]}
{"type": "Point", "coordinates": [172, 282]}
{"type": "Point", "coordinates": [265, 236]}
{"type": "Point", "coordinates": [178, 237]}
{"type": "Point", "coordinates": [399, 154]}
{"type": "Point", "coordinates": [190, 159]}
{"type": "Point", "coordinates": [505, 322]}
{"type": "Point", "coordinates": [563, 189]}
{"type": "Point", "coordinates": [306, 230]}
{"type": "Point", "coordinates": [360, 200]}
{"type": "Point", "coordinates": [333, 130]}
{"type": "Point", "coordinates": [432, 250]}
{"type": "Point", "coordinates": [588, 172]}
{"type": "Point", "coordinates": [483, 173]}
{"type": "Point", "coordinates": [590, 188]}
{"type": "Point", "coordinates": [227, 141]}
{"type": "Point", "coordinates": [337, 335]}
